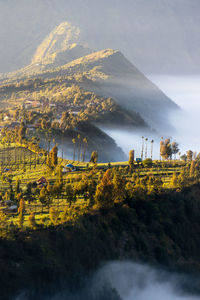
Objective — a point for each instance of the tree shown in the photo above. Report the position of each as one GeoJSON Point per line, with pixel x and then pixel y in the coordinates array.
{"type": "Point", "coordinates": [59, 176]}
{"type": "Point", "coordinates": [184, 157]}
{"type": "Point", "coordinates": [152, 142]}
{"type": "Point", "coordinates": [74, 152]}
{"type": "Point", "coordinates": [189, 155]}
{"type": "Point", "coordinates": [3, 221]}
{"type": "Point", "coordinates": [104, 192]}
{"type": "Point", "coordinates": [119, 191]}
{"type": "Point", "coordinates": [54, 156]}
{"type": "Point", "coordinates": [175, 149]}
{"type": "Point", "coordinates": [54, 215]}
{"type": "Point", "coordinates": [70, 195]}
{"type": "Point", "coordinates": [147, 163]}
{"type": "Point", "coordinates": [142, 152]}
{"type": "Point", "coordinates": [131, 159]}
{"type": "Point", "coordinates": [165, 149]}
{"type": "Point", "coordinates": [42, 196]}
{"type": "Point", "coordinates": [17, 186]}
{"type": "Point", "coordinates": [146, 148]}
{"type": "Point", "coordinates": [174, 180]}
{"type": "Point", "coordinates": [32, 221]}
{"type": "Point", "coordinates": [94, 157]}
{"type": "Point", "coordinates": [91, 190]}
{"type": "Point", "coordinates": [79, 146]}
{"type": "Point", "coordinates": [192, 168]}
{"type": "Point", "coordinates": [85, 142]}
{"type": "Point", "coordinates": [22, 132]}
{"type": "Point", "coordinates": [64, 119]}
{"type": "Point", "coordinates": [21, 211]}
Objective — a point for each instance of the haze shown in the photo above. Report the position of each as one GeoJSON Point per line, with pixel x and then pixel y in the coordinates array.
{"type": "Point", "coordinates": [158, 36]}
{"type": "Point", "coordinates": [185, 91]}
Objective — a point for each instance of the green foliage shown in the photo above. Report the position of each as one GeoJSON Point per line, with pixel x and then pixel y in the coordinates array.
{"type": "Point", "coordinates": [147, 163]}
{"type": "Point", "coordinates": [94, 157]}
{"type": "Point", "coordinates": [104, 192]}
{"type": "Point", "coordinates": [32, 221]}
{"type": "Point", "coordinates": [131, 158]}
{"type": "Point", "coordinates": [70, 194]}
{"type": "Point", "coordinates": [54, 215]}
{"type": "Point", "coordinates": [119, 193]}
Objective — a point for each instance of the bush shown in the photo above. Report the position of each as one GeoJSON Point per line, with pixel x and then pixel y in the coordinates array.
{"type": "Point", "coordinates": [147, 163]}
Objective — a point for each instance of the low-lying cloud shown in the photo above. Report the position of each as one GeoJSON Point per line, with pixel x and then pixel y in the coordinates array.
{"type": "Point", "coordinates": [185, 91]}
{"type": "Point", "coordinates": [128, 281]}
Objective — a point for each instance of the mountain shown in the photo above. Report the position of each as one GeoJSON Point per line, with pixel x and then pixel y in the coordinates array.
{"type": "Point", "coordinates": [159, 37]}
{"type": "Point", "coordinates": [60, 47]}
{"type": "Point", "coordinates": [107, 73]}
{"type": "Point", "coordinates": [114, 76]}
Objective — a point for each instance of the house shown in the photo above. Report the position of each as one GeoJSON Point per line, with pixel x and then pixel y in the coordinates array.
{"type": "Point", "coordinates": [70, 167]}
{"type": "Point", "coordinates": [31, 128]}
{"type": "Point", "coordinates": [42, 181]}
{"type": "Point", "coordinates": [14, 124]}
{"type": "Point", "coordinates": [6, 118]}
{"type": "Point", "coordinates": [8, 202]}
{"type": "Point", "coordinates": [11, 209]}
{"type": "Point", "coordinates": [138, 160]}
{"type": "Point", "coordinates": [52, 105]}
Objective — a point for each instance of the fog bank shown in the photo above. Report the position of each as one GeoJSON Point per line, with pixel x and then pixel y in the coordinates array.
{"type": "Point", "coordinates": [185, 91]}
{"type": "Point", "coordinates": [129, 281]}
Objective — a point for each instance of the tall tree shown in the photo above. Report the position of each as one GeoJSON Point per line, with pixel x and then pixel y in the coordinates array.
{"type": "Point", "coordinates": [104, 192]}
{"type": "Point", "coordinates": [152, 142]}
{"type": "Point", "coordinates": [175, 149]}
{"type": "Point", "coordinates": [189, 155]}
{"type": "Point", "coordinates": [94, 157]}
{"type": "Point", "coordinates": [142, 152]}
{"type": "Point", "coordinates": [54, 156]}
{"type": "Point", "coordinates": [85, 142]}
{"type": "Point", "coordinates": [165, 149]}
{"type": "Point", "coordinates": [119, 192]}
{"type": "Point", "coordinates": [70, 195]}
{"type": "Point", "coordinates": [131, 159]}
{"type": "Point", "coordinates": [74, 151]}
{"type": "Point", "coordinates": [146, 147]}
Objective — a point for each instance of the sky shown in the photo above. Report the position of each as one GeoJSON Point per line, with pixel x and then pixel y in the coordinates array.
{"type": "Point", "coordinates": [158, 36]}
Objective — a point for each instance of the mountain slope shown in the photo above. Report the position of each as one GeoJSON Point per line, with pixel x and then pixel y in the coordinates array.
{"type": "Point", "coordinates": [110, 74]}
